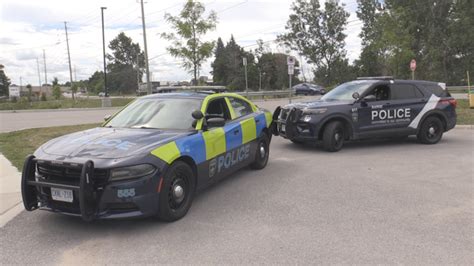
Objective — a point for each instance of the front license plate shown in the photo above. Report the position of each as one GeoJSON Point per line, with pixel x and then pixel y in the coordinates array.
{"type": "Point", "coordinates": [61, 194]}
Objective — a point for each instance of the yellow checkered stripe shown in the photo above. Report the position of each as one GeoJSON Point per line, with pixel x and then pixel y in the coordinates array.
{"type": "Point", "coordinates": [214, 141]}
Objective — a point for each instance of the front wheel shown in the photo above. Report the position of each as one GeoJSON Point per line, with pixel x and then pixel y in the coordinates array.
{"type": "Point", "coordinates": [333, 136]}
{"type": "Point", "coordinates": [263, 151]}
{"type": "Point", "coordinates": [177, 193]}
{"type": "Point", "coordinates": [431, 131]}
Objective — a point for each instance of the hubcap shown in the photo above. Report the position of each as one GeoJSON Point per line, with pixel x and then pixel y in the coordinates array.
{"type": "Point", "coordinates": [178, 191]}
{"type": "Point", "coordinates": [337, 136]}
{"type": "Point", "coordinates": [262, 151]}
{"type": "Point", "coordinates": [432, 131]}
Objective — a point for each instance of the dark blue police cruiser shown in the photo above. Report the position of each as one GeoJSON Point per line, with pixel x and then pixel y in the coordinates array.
{"type": "Point", "coordinates": [149, 158]}
{"type": "Point", "coordinates": [370, 108]}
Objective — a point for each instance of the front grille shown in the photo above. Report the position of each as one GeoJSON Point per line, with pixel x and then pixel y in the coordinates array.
{"type": "Point", "coordinates": [68, 173]}
{"type": "Point", "coordinates": [284, 114]}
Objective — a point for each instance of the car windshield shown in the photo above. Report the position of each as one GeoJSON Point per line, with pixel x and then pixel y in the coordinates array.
{"type": "Point", "coordinates": [344, 91]}
{"type": "Point", "coordinates": [163, 113]}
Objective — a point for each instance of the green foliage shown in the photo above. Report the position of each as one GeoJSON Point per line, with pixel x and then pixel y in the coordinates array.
{"type": "Point", "coordinates": [433, 33]}
{"type": "Point", "coordinates": [123, 66]}
{"type": "Point", "coordinates": [43, 97]}
{"type": "Point", "coordinates": [190, 26]}
{"type": "Point", "coordinates": [56, 91]}
{"type": "Point", "coordinates": [95, 84]}
{"type": "Point", "coordinates": [4, 83]}
{"type": "Point", "coordinates": [317, 34]}
{"type": "Point", "coordinates": [30, 91]}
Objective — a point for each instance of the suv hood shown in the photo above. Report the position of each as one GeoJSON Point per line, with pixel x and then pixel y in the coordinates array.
{"type": "Point", "coordinates": [316, 104]}
{"type": "Point", "coordinates": [110, 143]}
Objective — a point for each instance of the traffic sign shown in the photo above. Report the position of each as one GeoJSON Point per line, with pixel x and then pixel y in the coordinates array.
{"type": "Point", "coordinates": [413, 65]}
{"type": "Point", "coordinates": [244, 61]}
{"type": "Point", "coordinates": [291, 69]}
{"type": "Point", "coordinates": [290, 60]}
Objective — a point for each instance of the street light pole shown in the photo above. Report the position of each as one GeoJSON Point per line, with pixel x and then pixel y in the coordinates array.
{"type": "Point", "coordinates": [148, 84]}
{"type": "Point", "coordinates": [103, 51]}
{"type": "Point", "coordinates": [244, 61]}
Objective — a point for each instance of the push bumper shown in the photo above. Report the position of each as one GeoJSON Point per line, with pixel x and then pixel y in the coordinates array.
{"type": "Point", "coordinates": [91, 198]}
{"type": "Point", "coordinates": [288, 125]}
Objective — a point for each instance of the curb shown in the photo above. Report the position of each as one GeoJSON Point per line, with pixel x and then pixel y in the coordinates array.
{"type": "Point", "coordinates": [464, 127]}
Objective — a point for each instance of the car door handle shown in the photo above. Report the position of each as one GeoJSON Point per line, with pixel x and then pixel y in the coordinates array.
{"type": "Point", "coordinates": [236, 132]}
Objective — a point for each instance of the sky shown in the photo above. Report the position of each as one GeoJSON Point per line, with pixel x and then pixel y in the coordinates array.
{"type": "Point", "coordinates": [28, 27]}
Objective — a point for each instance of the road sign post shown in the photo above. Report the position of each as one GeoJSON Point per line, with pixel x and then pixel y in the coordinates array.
{"type": "Point", "coordinates": [290, 61]}
{"type": "Point", "coordinates": [412, 68]}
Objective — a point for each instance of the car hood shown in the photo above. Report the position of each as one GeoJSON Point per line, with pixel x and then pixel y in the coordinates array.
{"type": "Point", "coordinates": [110, 143]}
{"type": "Point", "coordinates": [316, 104]}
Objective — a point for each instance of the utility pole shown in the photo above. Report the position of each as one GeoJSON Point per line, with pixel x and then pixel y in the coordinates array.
{"type": "Point", "coordinates": [105, 101]}
{"type": "Point", "coordinates": [69, 59]}
{"type": "Point", "coordinates": [75, 74]}
{"type": "Point", "coordinates": [138, 73]}
{"type": "Point", "coordinates": [45, 72]}
{"type": "Point", "coordinates": [244, 62]}
{"type": "Point", "coordinates": [148, 84]}
{"type": "Point", "coordinates": [39, 74]}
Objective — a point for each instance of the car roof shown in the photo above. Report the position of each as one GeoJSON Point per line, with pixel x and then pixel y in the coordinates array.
{"type": "Point", "coordinates": [187, 95]}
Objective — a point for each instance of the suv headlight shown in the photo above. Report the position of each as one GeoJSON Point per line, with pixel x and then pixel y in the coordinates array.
{"type": "Point", "coordinates": [314, 111]}
{"type": "Point", "coordinates": [130, 172]}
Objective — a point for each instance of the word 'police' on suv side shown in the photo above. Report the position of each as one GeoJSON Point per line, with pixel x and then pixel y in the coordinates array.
{"type": "Point", "coordinates": [370, 108]}
{"type": "Point", "coordinates": [148, 159]}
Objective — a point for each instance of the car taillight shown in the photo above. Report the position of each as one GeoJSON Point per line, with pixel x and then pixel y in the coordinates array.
{"type": "Point", "coordinates": [451, 102]}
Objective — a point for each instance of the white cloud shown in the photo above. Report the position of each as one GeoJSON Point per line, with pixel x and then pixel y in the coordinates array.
{"type": "Point", "coordinates": [30, 26]}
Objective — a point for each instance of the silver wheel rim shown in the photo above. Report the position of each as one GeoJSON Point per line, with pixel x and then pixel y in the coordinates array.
{"type": "Point", "coordinates": [262, 151]}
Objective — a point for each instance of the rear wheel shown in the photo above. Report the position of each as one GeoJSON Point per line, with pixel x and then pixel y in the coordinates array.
{"type": "Point", "coordinates": [263, 151]}
{"type": "Point", "coordinates": [333, 136]}
{"type": "Point", "coordinates": [431, 131]}
{"type": "Point", "coordinates": [177, 192]}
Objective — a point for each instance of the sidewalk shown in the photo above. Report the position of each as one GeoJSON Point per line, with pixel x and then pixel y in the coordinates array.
{"type": "Point", "coordinates": [10, 192]}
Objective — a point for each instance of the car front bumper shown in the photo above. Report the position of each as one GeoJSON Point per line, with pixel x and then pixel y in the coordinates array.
{"type": "Point", "coordinates": [93, 196]}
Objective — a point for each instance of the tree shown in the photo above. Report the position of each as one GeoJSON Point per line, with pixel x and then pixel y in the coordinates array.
{"type": "Point", "coordinates": [56, 89]}
{"type": "Point", "coordinates": [30, 91]}
{"type": "Point", "coordinates": [123, 66]}
{"type": "Point", "coordinates": [187, 43]}
{"type": "Point", "coordinates": [219, 66]}
{"type": "Point", "coordinates": [317, 34]}
{"type": "Point", "coordinates": [4, 82]}
{"type": "Point", "coordinates": [95, 83]}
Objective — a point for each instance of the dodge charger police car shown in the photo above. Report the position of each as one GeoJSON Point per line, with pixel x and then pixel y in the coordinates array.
{"type": "Point", "coordinates": [149, 158]}
{"type": "Point", "coordinates": [370, 108]}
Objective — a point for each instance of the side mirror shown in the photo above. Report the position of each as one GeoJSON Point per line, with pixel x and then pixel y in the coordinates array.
{"type": "Point", "coordinates": [107, 117]}
{"type": "Point", "coordinates": [215, 122]}
{"type": "Point", "coordinates": [197, 114]}
{"type": "Point", "coordinates": [356, 95]}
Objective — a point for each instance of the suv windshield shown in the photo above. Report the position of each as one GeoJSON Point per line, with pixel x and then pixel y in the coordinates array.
{"type": "Point", "coordinates": [157, 113]}
{"type": "Point", "coordinates": [344, 91]}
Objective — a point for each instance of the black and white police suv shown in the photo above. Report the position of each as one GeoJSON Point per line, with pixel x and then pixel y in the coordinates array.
{"type": "Point", "coordinates": [373, 107]}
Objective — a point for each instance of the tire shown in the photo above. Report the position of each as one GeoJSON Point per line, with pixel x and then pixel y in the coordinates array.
{"type": "Point", "coordinates": [177, 193]}
{"type": "Point", "coordinates": [431, 130]}
{"type": "Point", "coordinates": [333, 136]}
{"type": "Point", "coordinates": [262, 153]}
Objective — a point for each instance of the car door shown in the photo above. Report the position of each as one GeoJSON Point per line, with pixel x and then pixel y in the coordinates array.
{"type": "Point", "coordinates": [371, 108]}
{"type": "Point", "coordinates": [406, 103]}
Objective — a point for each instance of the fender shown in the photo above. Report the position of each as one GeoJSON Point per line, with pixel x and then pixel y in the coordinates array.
{"type": "Point", "coordinates": [435, 112]}
{"type": "Point", "coordinates": [320, 125]}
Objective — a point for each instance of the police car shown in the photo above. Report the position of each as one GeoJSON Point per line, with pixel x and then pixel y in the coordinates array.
{"type": "Point", "coordinates": [370, 108]}
{"type": "Point", "coordinates": [149, 158]}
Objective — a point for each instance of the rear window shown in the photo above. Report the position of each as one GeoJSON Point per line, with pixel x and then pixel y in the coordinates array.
{"type": "Point", "coordinates": [437, 90]}
{"type": "Point", "coordinates": [404, 91]}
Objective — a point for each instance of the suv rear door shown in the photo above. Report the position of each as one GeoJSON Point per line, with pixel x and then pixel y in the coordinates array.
{"type": "Point", "coordinates": [408, 98]}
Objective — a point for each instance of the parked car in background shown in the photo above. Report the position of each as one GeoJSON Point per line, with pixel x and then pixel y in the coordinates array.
{"type": "Point", "coordinates": [308, 89]}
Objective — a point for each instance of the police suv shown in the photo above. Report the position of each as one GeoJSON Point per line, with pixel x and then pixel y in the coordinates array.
{"type": "Point", "coordinates": [149, 158]}
{"type": "Point", "coordinates": [370, 108]}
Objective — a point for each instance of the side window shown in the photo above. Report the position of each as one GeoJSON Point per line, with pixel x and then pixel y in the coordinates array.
{"type": "Point", "coordinates": [404, 91]}
{"type": "Point", "coordinates": [437, 90]}
{"type": "Point", "coordinates": [240, 107]}
{"type": "Point", "coordinates": [381, 93]}
{"type": "Point", "coordinates": [217, 108]}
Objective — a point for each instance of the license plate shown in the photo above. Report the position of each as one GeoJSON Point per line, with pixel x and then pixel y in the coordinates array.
{"type": "Point", "coordinates": [61, 194]}
{"type": "Point", "coordinates": [283, 127]}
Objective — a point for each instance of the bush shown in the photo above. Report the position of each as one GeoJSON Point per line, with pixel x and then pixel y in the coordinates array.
{"type": "Point", "coordinates": [43, 97]}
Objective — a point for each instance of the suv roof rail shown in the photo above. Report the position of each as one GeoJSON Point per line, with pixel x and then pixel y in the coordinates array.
{"type": "Point", "coordinates": [377, 78]}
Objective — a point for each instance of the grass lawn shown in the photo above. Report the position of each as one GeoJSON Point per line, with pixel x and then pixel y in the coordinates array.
{"type": "Point", "coordinates": [465, 115]}
{"type": "Point", "coordinates": [15, 146]}
{"type": "Point", "coordinates": [63, 103]}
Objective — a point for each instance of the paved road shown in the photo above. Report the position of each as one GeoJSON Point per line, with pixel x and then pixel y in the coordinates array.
{"type": "Point", "coordinates": [47, 118]}
{"type": "Point", "coordinates": [373, 202]}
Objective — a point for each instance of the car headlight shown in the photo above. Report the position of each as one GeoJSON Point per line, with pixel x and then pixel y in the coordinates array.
{"type": "Point", "coordinates": [131, 172]}
{"type": "Point", "coordinates": [314, 111]}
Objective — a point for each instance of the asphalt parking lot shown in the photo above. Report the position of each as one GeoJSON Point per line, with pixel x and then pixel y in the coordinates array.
{"type": "Point", "coordinates": [373, 202]}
